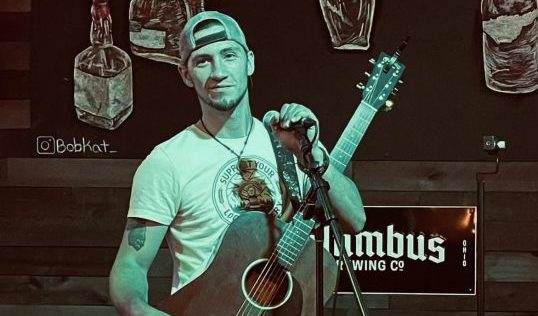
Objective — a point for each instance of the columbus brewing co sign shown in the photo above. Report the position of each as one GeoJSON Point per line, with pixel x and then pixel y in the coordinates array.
{"type": "Point", "coordinates": [412, 250]}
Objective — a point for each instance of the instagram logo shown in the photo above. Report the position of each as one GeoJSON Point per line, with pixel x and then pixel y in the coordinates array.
{"type": "Point", "coordinates": [46, 145]}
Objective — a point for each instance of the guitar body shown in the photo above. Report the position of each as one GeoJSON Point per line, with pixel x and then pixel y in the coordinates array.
{"type": "Point", "coordinates": [219, 290]}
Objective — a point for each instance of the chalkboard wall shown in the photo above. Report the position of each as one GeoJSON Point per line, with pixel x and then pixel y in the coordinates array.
{"type": "Point", "coordinates": [442, 110]}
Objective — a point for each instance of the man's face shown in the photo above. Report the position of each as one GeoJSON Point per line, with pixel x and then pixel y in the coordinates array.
{"type": "Point", "coordinates": [219, 74]}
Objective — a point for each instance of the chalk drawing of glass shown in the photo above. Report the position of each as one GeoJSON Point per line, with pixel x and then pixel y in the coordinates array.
{"type": "Point", "coordinates": [154, 27]}
{"type": "Point", "coordinates": [510, 45]}
{"type": "Point", "coordinates": [349, 22]}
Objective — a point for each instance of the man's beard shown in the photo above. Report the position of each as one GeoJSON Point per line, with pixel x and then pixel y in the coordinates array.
{"type": "Point", "coordinates": [225, 104]}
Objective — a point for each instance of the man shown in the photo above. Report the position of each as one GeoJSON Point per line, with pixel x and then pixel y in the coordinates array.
{"type": "Point", "coordinates": [191, 187]}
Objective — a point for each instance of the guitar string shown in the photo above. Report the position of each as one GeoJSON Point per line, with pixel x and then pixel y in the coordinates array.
{"type": "Point", "coordinates": [261, 277]}
{"type": "Point", "coordinates": [251, 294]}
{"type": "Point", "coordinates": [272, 272]}
{"type": "Point", "coordinates": [256, 286]}
{"type": "Point", "coordinates": [295, 232]}
{"type": "Point", "coordinates": [268, 269]}
{"type": "Point", "coordinates": [273, 262]}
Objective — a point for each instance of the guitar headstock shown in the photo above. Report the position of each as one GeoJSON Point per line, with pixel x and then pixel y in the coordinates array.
{"type": "Point", "coordinates": [386, 73]}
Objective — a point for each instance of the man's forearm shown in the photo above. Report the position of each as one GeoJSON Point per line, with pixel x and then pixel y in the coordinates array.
{"type": "Point", "coordinates": [129, 291]}
{"type": "Point", "coordinates": [346, 200]}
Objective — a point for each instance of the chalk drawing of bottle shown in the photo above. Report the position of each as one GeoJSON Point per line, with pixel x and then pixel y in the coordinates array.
{"type": "Point", "coordinates": [103, 75]}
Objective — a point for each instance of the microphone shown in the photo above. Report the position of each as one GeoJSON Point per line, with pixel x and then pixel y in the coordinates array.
{"type": "Point", "coordinates": [303, 123]}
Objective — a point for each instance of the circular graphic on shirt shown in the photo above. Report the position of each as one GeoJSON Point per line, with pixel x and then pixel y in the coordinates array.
{"type": "Point", "coordinates": [248, 185]}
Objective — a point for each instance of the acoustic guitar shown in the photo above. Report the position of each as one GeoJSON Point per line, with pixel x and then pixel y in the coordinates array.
{"type": "Point", "coordinates": [266, 266]}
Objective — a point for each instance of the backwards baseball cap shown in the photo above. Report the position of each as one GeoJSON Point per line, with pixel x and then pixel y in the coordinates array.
{"type": "Point", "coordinates": [230, 31]}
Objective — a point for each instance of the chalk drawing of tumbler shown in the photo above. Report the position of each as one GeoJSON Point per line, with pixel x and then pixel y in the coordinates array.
{"type": "Point", "coordinates": [349, 22]}
{"type": "Point", "coordinates": [510, 45]}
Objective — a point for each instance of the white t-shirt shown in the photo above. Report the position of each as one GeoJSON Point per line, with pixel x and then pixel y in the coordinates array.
{"type": "Point", "coordinates": [193, 184]}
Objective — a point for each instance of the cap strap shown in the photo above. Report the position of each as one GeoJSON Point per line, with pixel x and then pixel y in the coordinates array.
{"type": "Point", "coordinates": [210, 38]}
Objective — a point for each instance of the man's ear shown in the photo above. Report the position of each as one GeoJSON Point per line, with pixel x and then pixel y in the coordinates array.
{"type": "Point", "coordinates": [250, 62]}
{"type": "Point", "coordinates": [183, 71]}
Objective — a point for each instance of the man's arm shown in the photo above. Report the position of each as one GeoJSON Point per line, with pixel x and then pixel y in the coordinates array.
{"type": "Point", "coordinates": [344, 194]}
{"type": "Point", "coordinates": [128, 277]}
{"type": "Point", "coordinates": [345, 198]}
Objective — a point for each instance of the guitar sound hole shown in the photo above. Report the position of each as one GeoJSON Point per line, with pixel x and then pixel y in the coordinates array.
{"type": "Point", "coordinates": [266, 287]}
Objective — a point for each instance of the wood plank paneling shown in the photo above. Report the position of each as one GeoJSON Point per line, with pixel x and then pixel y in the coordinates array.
{"type": "Point", "coordinates": [15, 26]}
{"type": "Point", "coordinates": [24, 290]}
{"type": "Point", "coordinates": [58, 172]}
{"type": "Point", "coordinates": [418, 313]}
{"type": "Point", "coordinates": [511, 206]}
{"type": "Point", "coordinates": [393, 198]}
{"type": "Point", "coordinates": [511, 267]}
{"type": "Point", "coordinates": [15, 114]}
{"type": "Point", "coordinates": [71, 261]}
{"type": "Point", "coordinates": [15, 85]}
{"type": "Point", "coordinates": [501, 297]}
{"type": "Point", "coordinates": [15, 5]}
{"type": "Point", "coordinates": [440, 313]}
{"type": "Point", "coordinates": [63, 216]}
{"type": "Point", "coordinates": [432, 302]}
{"type": "Point", "coordinates": [56, 310]}
{"type": "Point", "coordinates": [443, 176]}
{"type": "Point", "coordinates": [511, 236]}
{"type": "Point", "coordinates": [15, 56]}
{"type": "Point", "coordinates": [515, 297]}
{"type": "Point", "coordinates": [347, 302]}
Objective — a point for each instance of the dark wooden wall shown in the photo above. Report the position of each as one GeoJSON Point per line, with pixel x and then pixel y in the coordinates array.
{"type": "Point", "coordinates": [61, 224]}
{"type": "Point", "coordinates": [61, 219]}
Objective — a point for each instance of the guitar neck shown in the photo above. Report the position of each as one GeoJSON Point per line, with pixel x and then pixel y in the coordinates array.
{"type": "Point", "coordinates": [352, 135]}
{"type": "Point", "coordinates": [294, 239]}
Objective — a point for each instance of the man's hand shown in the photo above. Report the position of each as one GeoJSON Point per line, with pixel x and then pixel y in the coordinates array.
{"type": "Point", "coordinates": [289, 138]}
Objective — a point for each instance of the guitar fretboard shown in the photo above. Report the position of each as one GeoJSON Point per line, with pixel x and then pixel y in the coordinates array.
{"type": "Point", "coordinates": [351, 136]}
{"type": "Point", "coordinates": [292, 243]}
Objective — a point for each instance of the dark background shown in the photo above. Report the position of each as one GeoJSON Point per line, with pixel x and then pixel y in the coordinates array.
{"type": "Point", "coordinates": [442, 110]}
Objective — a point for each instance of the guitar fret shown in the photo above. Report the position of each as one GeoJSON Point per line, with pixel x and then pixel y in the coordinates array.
{"type": "Point", "coordinates": [301, 238]}
{"type": "Point", "coordinates": [357, 130]}
{"type": "Point", "coordinates": [291, 245]}
{"type": "Point", "coordinates": [287, 236]}
{"type": "Point", "coordinates": [349, 141]}
{"type": "Point", "coordinates": [302, 230]}
{"type": "Point", "coordinates": [287, 265]}
{"type": "Point", "coordinates": [284, 254]}
{"type": "Point", "coordinates": [343, 151]}
{"type": "Point", "coordinates": [338, 161]}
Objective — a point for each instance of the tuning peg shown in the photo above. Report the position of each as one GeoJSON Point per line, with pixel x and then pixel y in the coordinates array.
{"type": "Point", "coordinates": [372, 61]}
{"type": "Point", "coordinates": [400, 81]}
{"type": "Point", "coordinates": [367, 74]}
{"type": "Point", "coordinates": [389, 104]}
{"type": "Point", "coordinates": [360, 85]}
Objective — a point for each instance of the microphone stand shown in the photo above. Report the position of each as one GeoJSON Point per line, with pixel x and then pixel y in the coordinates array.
{"type": "Point", "coordinates": [319, 191]}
